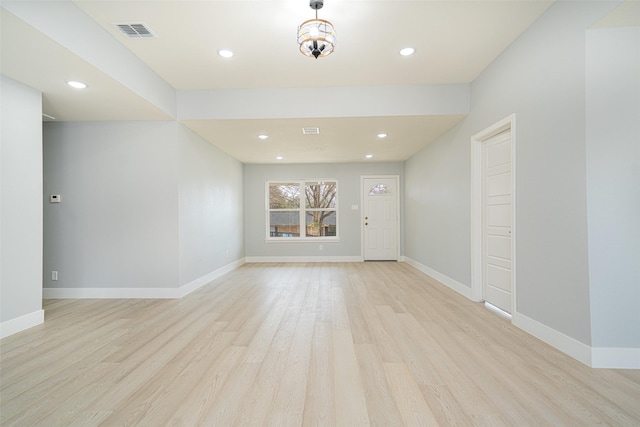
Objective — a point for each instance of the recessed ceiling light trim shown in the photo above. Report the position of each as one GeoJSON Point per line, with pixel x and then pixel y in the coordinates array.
{"type": "Point", "coordinates": [263, 136]}
{"type": "Point", "coordinates": [225, 53]}
{"type": "Point", "coordinates": [369, 156]}
{"type": "Point", "coordinates": [310, 131]}
{"type": "Point", "coordinates": [136, 30]}
{"type": "Point", "coordinates": [407, 51]}
{"type": "Point", "coordinates": [382, 135]}
{"type": "Point", "coordinates": [76, 84]}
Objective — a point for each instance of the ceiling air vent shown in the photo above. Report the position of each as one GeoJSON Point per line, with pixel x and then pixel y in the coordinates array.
{"type": "Point", "coordinates": [311, 131]}
{"type": "Point", "coordinates": [136, 31]}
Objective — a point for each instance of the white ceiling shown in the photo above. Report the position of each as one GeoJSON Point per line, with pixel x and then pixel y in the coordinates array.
{"type": "Point", "coordinates": [342, 139]}
{"type": "Point", "coordinates": [46, 43]}
{"type": "Point", "coordinates": [454, 40]}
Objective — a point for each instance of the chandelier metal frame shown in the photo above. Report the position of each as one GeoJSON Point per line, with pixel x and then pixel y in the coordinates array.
{"type": "Point", "coordinates": [316, 37]}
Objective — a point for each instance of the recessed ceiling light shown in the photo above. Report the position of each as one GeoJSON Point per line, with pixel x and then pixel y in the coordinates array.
{"type": "Point", "coordinates": [77, 85]}
{"type": "Point", "coordinates": [225, 53]}
{"type": "Point", "coordinates": [368, 156]}
{"type": "Point", "coordinates": [279, 158]}
{"type": "Point", "coordinates": [263, 136]}
{"type": "Point", "coordinates": [382, 135]}
{"type": "Point", "coordinates": [407, 51]}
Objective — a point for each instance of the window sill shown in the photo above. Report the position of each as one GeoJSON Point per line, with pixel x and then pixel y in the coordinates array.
{"type": "Point", "coordinates": [302, 240]}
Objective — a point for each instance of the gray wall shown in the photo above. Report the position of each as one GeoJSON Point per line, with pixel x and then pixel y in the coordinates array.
{"type": "Point", "coordinates": [211, 211]}
{"type": "Point", "coordinates": [348, 176]}
{"type": "Point", "coordinates": [21, 201]}
{"type": "Point", "coordinates": [437, 206]}
{"type": "Point", "coordinates": [144, 205]}
{"type": "Point", "coordinates": [613, 185]}
{"type": "Point", "coordinates": [541, 78]}
{"type": "Point", "coordinates": [117, 224]}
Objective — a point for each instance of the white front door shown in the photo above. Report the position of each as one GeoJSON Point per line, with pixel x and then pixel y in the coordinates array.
{"type": "Point", "coordinates": [496, 227]}
{"type": "Point", "coordinates": [380, 211]}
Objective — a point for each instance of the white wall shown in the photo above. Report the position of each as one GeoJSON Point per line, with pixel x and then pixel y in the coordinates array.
{"type": "Point", "coordinates": [21, 208]}
{"type": "Point", "coordinates": [211, 208]}
{"type": "Point", "coordinates": [348, 176]}
{"type": "Point", "coordinates": [117, 224]}
{"type": "Point", "coordinates": [613, 185]}
{"type": "Point", "coordinates": [541, 78]}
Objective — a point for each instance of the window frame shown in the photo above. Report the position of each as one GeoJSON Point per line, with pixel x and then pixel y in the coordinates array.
{"type": "Point", "coordinates": [302, 211]}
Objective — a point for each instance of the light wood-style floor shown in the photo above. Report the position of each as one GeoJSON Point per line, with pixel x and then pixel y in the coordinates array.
{"type": "Point", "coordinates": [301, 344]}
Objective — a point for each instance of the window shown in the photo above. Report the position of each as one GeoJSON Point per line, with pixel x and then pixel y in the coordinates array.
{"type": "Point", "coordinates": [302, 210]}
{"type": "Point", "coordinates": [379, 189]}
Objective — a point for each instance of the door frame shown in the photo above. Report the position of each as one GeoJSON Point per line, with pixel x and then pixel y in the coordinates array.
{"type": "Point", "coordinates": [362, 202]}
{"type": "Point", "coordinates": [477, 141]}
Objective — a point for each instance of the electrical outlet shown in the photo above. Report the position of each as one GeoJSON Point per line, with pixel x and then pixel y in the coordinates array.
{"type": "Point", "coordinates": [227, 253]}
{"type": "Point", "coordinates": [54, 275]}
{"type": "Point", "coordinates": [321, 248]}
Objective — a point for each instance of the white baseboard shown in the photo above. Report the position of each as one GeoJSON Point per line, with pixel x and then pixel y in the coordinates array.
{"type": "Point", "coordinates": [595, 357]}
{"type": "Point", "coordinates": [110, 293]}
{"type": "Point", "coordinates": [445, 280]}
{"type": "Point", "coordinates": [615, 358]}
{"type": "Point", "coordinates": [207, 278]}
{"type": "Point", "coordinates": [255, 259]}
{"type": "Point", "coordinates": [13, 326]}
{"type": "Point", "coordinates": [562, 342]}
{"type": "Point", "coordinates": [133, 293]}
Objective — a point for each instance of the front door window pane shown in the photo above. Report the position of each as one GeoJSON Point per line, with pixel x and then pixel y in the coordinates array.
{"type": "Point", "coordinates": [379, 189]}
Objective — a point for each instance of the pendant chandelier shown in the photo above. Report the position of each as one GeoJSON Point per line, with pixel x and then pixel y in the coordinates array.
{"type": "Point", "coordinates": [316, 37]}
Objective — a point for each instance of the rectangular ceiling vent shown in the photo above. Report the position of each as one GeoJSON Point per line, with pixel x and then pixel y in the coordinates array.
{"type": "Point", "coordinates": [311, 131]}
{"type": "Point", "coordinates": [136, 30]}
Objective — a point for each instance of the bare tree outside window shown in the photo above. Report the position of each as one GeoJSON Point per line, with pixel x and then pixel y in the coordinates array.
{"type": "Point", "coordinates": [284, 196]}
{"type": "Point", "coordinates": [319, 197]}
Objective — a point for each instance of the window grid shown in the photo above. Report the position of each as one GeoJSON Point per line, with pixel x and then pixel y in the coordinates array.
{"type": "Point", "coordinates": [302, 210]}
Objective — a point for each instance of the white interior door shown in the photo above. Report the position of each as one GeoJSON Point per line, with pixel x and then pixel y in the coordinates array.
{"type": "Point", "coordinates": [497, 223]}
{"type": "Point", "coordinates": [380, 210]}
